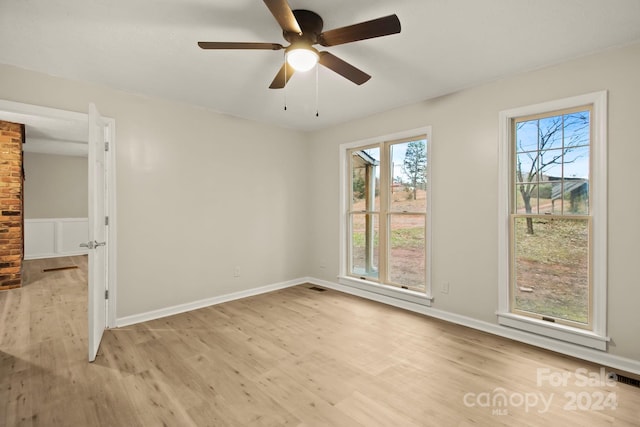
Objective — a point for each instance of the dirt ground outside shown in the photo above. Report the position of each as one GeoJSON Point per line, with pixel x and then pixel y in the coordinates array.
{"type": "Point", "coordinates": [408, 247]}
{"type": "Point", "coordinates": [552, 268]}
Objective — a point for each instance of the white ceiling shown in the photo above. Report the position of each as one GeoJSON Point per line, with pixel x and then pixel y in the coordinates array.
{"type": "Point", "coordinates": [149, 47]}
{"type": "Point", "coordinates": [49, 135]}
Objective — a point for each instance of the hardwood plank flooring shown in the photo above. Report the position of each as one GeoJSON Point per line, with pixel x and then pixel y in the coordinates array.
{"type": "Point", "coordinates": [293, 357]}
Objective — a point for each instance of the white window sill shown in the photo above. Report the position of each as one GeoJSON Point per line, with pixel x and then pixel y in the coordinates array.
{"type": "Point", "coordinates": [554, 330]}
{"type": "Point", "coordinates": [386, 290]}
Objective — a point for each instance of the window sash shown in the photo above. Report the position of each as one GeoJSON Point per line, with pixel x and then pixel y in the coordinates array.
{"type": "Point", "coordinates": [384, 214]}
{"type": "Point", "coordinates": [538, 183]}
{"type": "Point", "coordinates": [588, 325]}
{"type": "Point", "coordinates": [517, 181]}
{"type": "Point", "coordinates": [417, 287]}
{"type": "Point", "coordinates": [370, 263]}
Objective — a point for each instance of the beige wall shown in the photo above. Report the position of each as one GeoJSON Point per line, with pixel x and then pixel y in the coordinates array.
{"type": "Point", "coordinates": [464, 165]}
{"type": "Point", "coordinates": [55, 186]}
{"type": "Point", "coordinates": [199, 192]}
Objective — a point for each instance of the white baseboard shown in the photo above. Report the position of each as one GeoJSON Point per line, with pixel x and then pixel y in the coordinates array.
{"type": "Point", "coordinates": [181, 308]}
{"type": "Point", "coordinates": [55, 255]}
{"type": "Point", "coordinates": [584, 353]}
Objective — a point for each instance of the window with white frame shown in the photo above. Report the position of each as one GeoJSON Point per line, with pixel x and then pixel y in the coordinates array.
{"type": "Point", "coordinates": [386, 189]}
{"type": "Point", "coordinates": [553, 219]}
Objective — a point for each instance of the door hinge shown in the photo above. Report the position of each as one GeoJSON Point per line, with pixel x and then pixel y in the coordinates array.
{"type": "Point", "coordinates": [106, 294]}
{"type": "Point", "coordinates": [106, 146]}
{"type": "Point", "coordinates": [106, 220]}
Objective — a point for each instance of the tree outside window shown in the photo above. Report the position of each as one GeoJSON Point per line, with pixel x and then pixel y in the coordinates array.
{"type": "Point", "coordinates": [551, 249]}
{"type": "Point", "coordinates": [387, 216]}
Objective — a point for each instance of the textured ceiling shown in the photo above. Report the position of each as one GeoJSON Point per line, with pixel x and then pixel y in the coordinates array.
{"type": "Point", "coordinates": [149, 47]}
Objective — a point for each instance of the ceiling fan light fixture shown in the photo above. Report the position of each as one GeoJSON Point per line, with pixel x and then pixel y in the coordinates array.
{"type": "Point", "coordinates": [302, 58]}
{"type": "Point", "coordinates": [303, 29]}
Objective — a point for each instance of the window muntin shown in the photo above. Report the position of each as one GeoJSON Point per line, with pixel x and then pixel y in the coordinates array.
{"type": "Point", "coordinates": [387, 213]}
{"type": "Point", "coordinates": [550, 217]}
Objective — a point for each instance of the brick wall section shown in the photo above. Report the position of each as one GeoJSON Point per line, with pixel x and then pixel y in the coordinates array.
{"type": "Point", "coordinates": [11, 215]}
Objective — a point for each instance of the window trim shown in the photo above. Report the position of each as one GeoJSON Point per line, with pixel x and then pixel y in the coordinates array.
{"type": "Point", "coordinates": [597, 336]}
{"type": "Point", "coordinates": [368, 285]}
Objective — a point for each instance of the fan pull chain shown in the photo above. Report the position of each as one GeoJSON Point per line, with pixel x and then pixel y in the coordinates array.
{"type": "Point", "coordinates": [285, 80]}
{"type": "Point", "coordinates": [317, 92]}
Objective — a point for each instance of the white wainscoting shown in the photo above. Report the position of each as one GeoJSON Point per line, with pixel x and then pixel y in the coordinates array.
{"type": "Point", "coordinates": [55, 237]}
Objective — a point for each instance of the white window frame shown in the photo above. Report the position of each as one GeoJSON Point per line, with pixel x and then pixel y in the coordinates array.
{"type": "Point", "coordinates": [369, 285]}
{"type": "Point", "coordinates": [596, 337]}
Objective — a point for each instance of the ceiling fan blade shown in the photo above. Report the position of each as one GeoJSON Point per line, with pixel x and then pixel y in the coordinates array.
{"type": "Point", "coordinates": [343, 68]}
{"type": "Point", "coordinates": [280, 81]}
{"type": "Point", "coordinates": [284, 15]}
{"type": "Point", "coordinates": [239, 45]}
{"type": "Point", "coordinates": [365, 30]}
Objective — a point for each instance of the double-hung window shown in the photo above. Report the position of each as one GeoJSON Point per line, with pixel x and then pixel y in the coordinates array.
{"type": "Point", "coordinates": [386, 192]}
{"type": "Point", "coordinates": [553, 219]}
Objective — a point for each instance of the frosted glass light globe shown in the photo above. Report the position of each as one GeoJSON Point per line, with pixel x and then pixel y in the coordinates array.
{"type": "Point", "coordinates": [302, 59]}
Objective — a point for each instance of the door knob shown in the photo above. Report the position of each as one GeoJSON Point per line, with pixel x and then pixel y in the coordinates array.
{"type": "Point", "coordinates": [92, 244]}
{"type": "Point", "coordinates": [88, 245]}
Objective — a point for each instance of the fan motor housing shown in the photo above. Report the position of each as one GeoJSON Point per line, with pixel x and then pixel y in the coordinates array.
{"type": "Point", "coordinates": [311, 25]}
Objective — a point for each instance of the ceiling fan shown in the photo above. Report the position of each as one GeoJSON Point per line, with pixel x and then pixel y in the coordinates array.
{"type": "Point", "coordinates": [302, 29]}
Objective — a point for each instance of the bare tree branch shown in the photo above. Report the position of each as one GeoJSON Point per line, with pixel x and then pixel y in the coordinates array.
{"type": "Point", "coordinates": [556, 137]}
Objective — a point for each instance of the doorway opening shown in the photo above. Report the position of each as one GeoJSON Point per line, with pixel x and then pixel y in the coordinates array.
{"type": "Point", "coordinates": [55, 128]}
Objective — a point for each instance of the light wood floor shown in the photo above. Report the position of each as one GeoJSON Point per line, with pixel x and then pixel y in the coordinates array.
{"type": "Point", "coordinates": [293, 357]}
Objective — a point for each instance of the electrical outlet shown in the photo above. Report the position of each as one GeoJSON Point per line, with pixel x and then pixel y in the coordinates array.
{"type": "Point", "coordinates": [444, 288]}
{"type": "Point", "coordinates": [236, 272]}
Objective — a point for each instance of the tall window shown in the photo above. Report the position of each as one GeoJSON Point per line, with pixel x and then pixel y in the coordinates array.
{"type": "Point", "coordinates": [551, 217]}
{"type": "Point", "coordinates": [555, 203]}
{"type": "Point", "coordinates": [387, 213]}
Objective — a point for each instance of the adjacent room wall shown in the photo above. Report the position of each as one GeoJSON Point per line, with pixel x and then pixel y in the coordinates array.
{"type": "Point", "coordinates": [55, 186]}
{"type": "Point", "coordinates": [199, 194]}
{"type": "Point", "coordinates": [464, 164]}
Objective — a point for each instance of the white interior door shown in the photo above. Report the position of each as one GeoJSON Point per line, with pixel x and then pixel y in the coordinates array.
{"type": "Point", "coordinates": [97, 307]}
